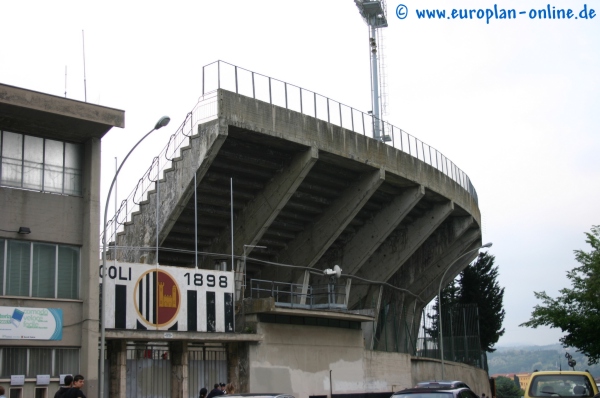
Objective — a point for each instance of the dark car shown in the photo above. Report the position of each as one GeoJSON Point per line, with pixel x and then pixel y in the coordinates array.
{"type": "Point", "coordinates": [433, 392]}
{"type": "Point", "coordinates": [259, 395]}
{"type": "Point", "coordinates": [442, 384]}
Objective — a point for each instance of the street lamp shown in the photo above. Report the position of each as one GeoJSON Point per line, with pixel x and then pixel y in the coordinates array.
{"type": "Point", "coordinates": [441, 336]}
{"type": "Point", "coordinates": [162, 122]}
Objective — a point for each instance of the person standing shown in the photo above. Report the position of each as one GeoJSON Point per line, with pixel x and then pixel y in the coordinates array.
{"type": "Point", "coordinates": [203, 392]}
{"type": "Point", "coordinates": [66, 387]}
{"type": "Point", "coordinates": [215, 391]}
{"type": "Point", "coordinates": [2, 392]}
{"type": "Point", "coordinates": [230, 389]}
{"type": "Point", "coordinates": [75, 391]}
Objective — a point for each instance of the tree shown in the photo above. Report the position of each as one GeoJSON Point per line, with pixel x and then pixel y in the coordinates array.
{"type": "Point", "coordinates": [577, 310]}
{"type": "Point", "coordinates": [506, 388]}
{"type": "Point", "coordinates": [478, 284]}
{"type": "Point", "coordinates": [516, 380]}
{"type": "Point", "coordinates": [449, 299]}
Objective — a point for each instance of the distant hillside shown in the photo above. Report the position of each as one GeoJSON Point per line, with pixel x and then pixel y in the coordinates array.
{"type": "Point", "coordinates": [527, 359]}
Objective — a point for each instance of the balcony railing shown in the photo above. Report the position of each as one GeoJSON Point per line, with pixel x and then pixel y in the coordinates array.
{"type": "Point", "coordinates": [329, 296]}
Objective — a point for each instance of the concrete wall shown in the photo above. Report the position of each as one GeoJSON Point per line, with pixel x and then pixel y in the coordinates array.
{"type": "Point", "coordinates": [51, 218]}
{"type": "Point", "coordinates": [431, 369]}
{"type": "Point", "coordinates": [307, 360]}
{"type": "Point", "coordinates": [298, 359]}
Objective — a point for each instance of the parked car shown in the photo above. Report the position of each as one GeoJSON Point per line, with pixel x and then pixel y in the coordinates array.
{"type": "Point", "coordinates": [259, 395]}
{"type": "Point", "coordinates": [442, 384]}
{"type": "Point", "coordinates": [436, 392]}
{"type": "Point", "coordinates": [561, 383]}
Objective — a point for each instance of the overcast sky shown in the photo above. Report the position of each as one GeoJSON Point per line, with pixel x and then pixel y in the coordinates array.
{"type": "Point", "coordinates": [514, 103]}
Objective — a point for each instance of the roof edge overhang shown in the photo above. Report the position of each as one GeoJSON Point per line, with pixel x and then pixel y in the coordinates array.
{"type": "Point", "coordinates": [50, 116]}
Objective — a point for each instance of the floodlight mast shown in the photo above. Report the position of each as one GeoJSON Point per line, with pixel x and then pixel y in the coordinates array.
{"type": "Point", "coordinates": [375, 15]}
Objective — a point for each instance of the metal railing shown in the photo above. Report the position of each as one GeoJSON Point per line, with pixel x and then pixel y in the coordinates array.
{"type": "Point", "coordinates": [330, 296]}
{"type": "Point", "coordinates": [223, 75]}
{"type": "Point", "coordinates": [226, 76]}
{"type": "Point", "coordinates": [204, 111]}
{"type": "Point", "coordinates": [461, 336]}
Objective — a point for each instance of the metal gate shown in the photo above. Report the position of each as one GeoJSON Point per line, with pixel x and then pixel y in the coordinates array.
{"type": "Point", "coordinates": [207, 365]}
{"type": "Point", "coordinates": [148, 371]}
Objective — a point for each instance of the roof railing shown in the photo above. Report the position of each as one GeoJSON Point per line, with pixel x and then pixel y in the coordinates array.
{"type": "Point", "coordinates": [226, 76]}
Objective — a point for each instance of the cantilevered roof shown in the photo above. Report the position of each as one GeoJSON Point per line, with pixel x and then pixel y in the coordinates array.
{"type": "Point", "coordinates": [50, 116]}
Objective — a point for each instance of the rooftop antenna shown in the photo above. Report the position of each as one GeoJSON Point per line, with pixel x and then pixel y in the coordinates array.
{"type": "Point", "coordinates": [375, 15]}
{"type": "Point", "coordinates": [65, 81]}
{"type": "Point", "coordinates": [84, 80]}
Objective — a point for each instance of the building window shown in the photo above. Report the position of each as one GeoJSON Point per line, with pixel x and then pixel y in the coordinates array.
{"type": "Point", "coordinates": [40, 164]}
{"type": "Point", "coordinates": [37, 360]}
{"type": "Point", "coordinates": [34, 269]}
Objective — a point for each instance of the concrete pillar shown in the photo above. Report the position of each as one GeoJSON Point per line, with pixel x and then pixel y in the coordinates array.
{"type": "Point", "coordinates": [238, 367]}
{"type": "Point", "coordinates": [90, 253]}
{"type": "Point", "coordinates": [178, 352]}
{"type": "Point", "coordinates": [117, 358]}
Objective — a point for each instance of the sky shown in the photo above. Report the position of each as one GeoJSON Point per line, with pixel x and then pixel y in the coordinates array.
{"type": "Point", "coordinates": [515, 103]}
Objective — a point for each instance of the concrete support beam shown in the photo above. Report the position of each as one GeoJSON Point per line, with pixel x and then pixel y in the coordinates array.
{"type": "Point", "coordinates": [401, 245]}
{"type": "Point", "coordinates": [429, 292]}
{"type": "Point", "coordinates": [448, 243]}
{"type": "Point", "coordinates": [411, 319]}
{"type": "Point", "coordinates": [376, 320]}
{"type": "Point", "coordinates": [258, 215]}
{"type": "Point", "coordinates": [176, 187]}
{"type": "Point", "coordinates": [434, 272]}
{"type": "Point", "coordinates": [368, 239]}
{"type": "Point", "coordinates": [178, 350]}
{"type": "Point", "coordinates": [398, 248]}
{"type": "Point", "coordinates": [117, 357]}
{"type": "Point", "coordinates": [311, 243]}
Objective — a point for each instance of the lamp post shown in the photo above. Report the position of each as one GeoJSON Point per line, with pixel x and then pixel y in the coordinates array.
{"type": "Point", "coordinates": [441, 336]}
{"type": "Point", "coordinates": [162, 122]}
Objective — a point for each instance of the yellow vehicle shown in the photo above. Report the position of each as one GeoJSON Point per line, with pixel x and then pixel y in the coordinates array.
{"type": "Point", "coordinates": [565, 383]}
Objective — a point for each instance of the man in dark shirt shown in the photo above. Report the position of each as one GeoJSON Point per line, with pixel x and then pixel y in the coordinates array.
{"type": "Point", "coordinates": [66, 387]}
{"type": "Point", "coordinates": [76, 392]}
{"type": "Point", "coordinates": [215, 391]}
